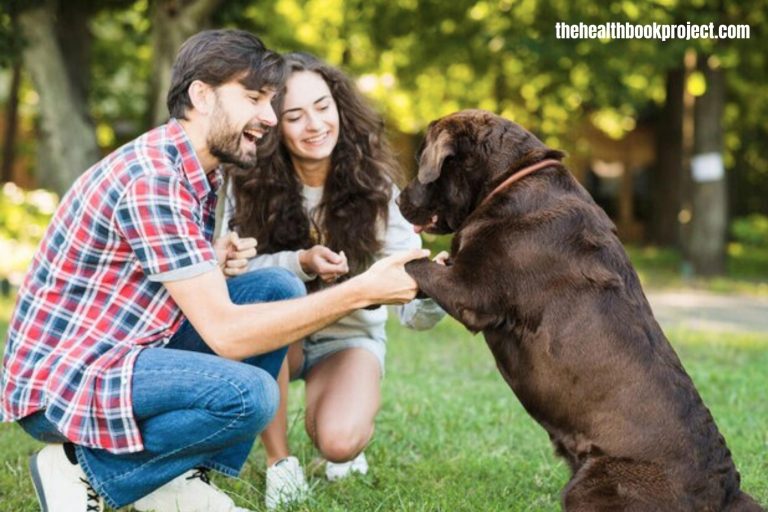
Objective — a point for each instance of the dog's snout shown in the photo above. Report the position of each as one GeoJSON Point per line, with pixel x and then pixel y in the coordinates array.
{"type": "Point", "coordinates": [413, 203]}
{"type": "Point", "coordinates": [414, 196]}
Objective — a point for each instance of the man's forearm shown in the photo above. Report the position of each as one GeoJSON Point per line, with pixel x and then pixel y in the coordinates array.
{"type": "Point", "coordinates": [253, 329]}
{"type": "Point", "coordinates": [240, 331]}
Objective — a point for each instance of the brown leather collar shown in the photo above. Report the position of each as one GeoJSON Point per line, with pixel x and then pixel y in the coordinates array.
{"type": "Point", "coordinates": [522, 173]}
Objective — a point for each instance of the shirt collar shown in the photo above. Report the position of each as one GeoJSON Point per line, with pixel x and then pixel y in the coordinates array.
{"type": "Point", "coordinates": [193, 170]}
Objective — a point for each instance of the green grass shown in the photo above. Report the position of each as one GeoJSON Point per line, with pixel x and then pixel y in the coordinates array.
{"type": "Point", "coordinates": [452, 437]}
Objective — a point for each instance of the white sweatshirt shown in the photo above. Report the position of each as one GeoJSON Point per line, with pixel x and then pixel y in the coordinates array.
{"type": "Point", "coordinates": [398, 236]}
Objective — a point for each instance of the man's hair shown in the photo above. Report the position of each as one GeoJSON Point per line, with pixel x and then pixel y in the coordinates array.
{"type": "Point", "coordinates": [219, 56]}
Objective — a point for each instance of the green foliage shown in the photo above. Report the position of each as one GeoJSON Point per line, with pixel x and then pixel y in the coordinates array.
{"type": "Point", "coordinates": [421, 59]}
{"type": "Point", "coordinates": [10, 41]}
{"type": "Point", "coordinates": [23, 219]}
{"type": "Point", "coordinates": [122, 56]}
{"type": "Point", "coordinates": [751, 231]}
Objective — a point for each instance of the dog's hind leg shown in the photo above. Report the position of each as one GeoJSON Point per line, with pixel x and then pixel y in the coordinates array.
{"type": "Point", "coordinates": [743, 503]}
{"type": "Point", "coordinates": [606, 484]}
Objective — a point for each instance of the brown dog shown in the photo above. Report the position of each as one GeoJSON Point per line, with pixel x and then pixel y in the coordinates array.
{"type": "Point", "coordinates": [536, 265]}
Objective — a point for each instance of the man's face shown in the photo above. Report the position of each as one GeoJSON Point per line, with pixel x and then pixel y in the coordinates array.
{"type": "Point", "coordinates": [239, 119]}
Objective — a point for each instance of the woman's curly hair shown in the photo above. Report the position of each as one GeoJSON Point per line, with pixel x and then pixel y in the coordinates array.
{"type": "Point", "coordinates": [268, 199]}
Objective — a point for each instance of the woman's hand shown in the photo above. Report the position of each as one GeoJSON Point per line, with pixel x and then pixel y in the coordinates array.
{"type": "Point", "coordinates": [233, 253]}
{"type": "Point", "coordinates": [322, 261]}
{"type": "Point", "coordinates": [442, 258]}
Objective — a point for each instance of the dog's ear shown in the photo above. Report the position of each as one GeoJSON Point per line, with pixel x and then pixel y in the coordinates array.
{"type": "Point", "coordinates": [432, 158]}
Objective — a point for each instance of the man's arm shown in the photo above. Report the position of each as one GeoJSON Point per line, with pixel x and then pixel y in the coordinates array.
{"type": "Point", "coordinates": [239, 331]}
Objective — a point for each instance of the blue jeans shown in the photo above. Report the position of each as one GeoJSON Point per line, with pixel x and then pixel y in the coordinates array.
{"type": "Point", "coordinates": [194, 409]}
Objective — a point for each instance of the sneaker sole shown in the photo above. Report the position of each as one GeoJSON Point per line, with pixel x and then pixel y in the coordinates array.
{"type": "Point", "coordinates": [35, 472]}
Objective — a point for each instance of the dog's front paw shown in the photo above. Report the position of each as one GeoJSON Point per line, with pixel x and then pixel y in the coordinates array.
{"type": "Point", "coordinates": [418, 270]}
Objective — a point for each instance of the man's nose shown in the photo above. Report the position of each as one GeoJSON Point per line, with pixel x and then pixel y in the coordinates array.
{"type": "Point", "coordinates": [268, 116]}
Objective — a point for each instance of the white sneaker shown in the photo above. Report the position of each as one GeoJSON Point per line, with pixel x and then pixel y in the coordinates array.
{"type": "Point", "coordinates": [338, 470]}
{"type": "Point", "coordinates": [190, 492]}
{"type": "Point", "coordinates": [60, 485]}
{"type": "Point", "coordinates": [285, 483]}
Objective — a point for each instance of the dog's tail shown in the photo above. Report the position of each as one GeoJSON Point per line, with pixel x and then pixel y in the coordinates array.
{"type": "Point", "coordinates": [743, 502]}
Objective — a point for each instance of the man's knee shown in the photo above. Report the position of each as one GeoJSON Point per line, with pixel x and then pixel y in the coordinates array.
{"type": "Point", "coordinates": [250, 397]}
{"type": "Point", "coordinates": [262, 400]}
{"type": "Point", "coordinates": [266, 285]}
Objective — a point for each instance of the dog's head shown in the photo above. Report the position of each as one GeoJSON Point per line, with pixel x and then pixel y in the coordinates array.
{"type": "Point", "coordinates": [463, 156]}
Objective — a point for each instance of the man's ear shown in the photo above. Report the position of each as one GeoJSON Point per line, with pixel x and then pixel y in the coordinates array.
{"type": "Point", "coordinates": [432, 158]}
{"type": "Point", "coordinates": [202, 96]}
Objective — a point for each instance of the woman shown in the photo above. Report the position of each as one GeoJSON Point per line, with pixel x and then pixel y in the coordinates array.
{"type": "Point", "coordinates": [322, 204]}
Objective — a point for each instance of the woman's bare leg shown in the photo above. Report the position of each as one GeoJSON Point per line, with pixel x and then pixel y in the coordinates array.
{"type": "Point", "coordinates": [343, 397]}
{"type": "Point", "coordinates": [275, 436]}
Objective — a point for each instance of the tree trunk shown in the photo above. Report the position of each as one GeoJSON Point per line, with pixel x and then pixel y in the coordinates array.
{"type": "Point", "coordinates": [667, 174]}
{"type": "Point", "coordinates": [173, 21]}
{"type": "Point", "coordinates": [11, 124]}
{"type": "Point", "coordinates": [710, 215]}
{"type": "Point", "coordinates": [75, 40]}
{"type": "Point", "coordinates": [67, 132]}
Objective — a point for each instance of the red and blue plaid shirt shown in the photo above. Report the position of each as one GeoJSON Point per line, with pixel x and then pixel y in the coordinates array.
{"type": "Point", "coordinates": [93, 297]}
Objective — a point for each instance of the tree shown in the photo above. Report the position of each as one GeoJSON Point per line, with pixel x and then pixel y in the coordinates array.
{"type": "Point", "coordinates": [68, 137]}
{"type": "Point", "coordinates": [173, 21]}
{"type": "Point", "coordinates": [57, 50]}
{"type": "Point", "coordinates": [709, 220]}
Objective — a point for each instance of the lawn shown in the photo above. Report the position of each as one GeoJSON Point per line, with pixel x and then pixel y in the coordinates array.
{"type": "Point", "coordinates": [452, 437]}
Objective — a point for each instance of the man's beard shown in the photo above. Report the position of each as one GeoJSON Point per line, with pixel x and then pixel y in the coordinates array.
{"type": "Point", "coordinates": [224, 143]}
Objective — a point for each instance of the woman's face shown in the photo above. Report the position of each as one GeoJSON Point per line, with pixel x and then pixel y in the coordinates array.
{"type": "Point", "coordinates": [309, 123]}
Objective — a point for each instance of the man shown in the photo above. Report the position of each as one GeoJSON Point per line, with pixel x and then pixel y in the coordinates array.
{"type": "Point", "coordinates": [128, 351]}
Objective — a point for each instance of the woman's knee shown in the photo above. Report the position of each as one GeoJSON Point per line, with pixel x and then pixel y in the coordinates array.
{"type": "Point", "coordinates": [339, 443]}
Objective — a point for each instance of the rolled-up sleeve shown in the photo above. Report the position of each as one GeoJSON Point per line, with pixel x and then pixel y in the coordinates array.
{"type": "Point", "coordinates": [161, 220]}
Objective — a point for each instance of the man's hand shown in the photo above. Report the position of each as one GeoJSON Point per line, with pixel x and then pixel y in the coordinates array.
{"type": "Point", "coordinates": [323, 262]}
{"type": "Point", "coordinates": [233, 253]}
{"type": "Point", "coordinates": [240, 331]}
{"type": "Point", "coordinates": [387, 282]}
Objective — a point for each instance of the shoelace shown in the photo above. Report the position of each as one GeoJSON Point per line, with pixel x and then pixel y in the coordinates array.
{"type": "Point", "coordinates": [202, 474]}
{"type": "Point", "coordinates": [94, 500]}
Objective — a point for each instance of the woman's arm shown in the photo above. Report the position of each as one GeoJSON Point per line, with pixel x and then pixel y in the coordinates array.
{"type": "Point", "coordinates": [288, 260]}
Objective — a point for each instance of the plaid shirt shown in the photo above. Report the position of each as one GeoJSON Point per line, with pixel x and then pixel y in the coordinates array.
{"type": "Point", "coordinates": [93, 297]}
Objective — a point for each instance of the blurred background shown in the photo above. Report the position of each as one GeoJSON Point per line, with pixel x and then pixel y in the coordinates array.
{"type": "Point", "coordinates": [669, 137]}
{"type": "Point", "coordinates": [80, 77]}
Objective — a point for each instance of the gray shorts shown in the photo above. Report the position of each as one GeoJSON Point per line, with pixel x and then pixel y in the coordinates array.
{"type": "Point", "coordinates": [317, 350]}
